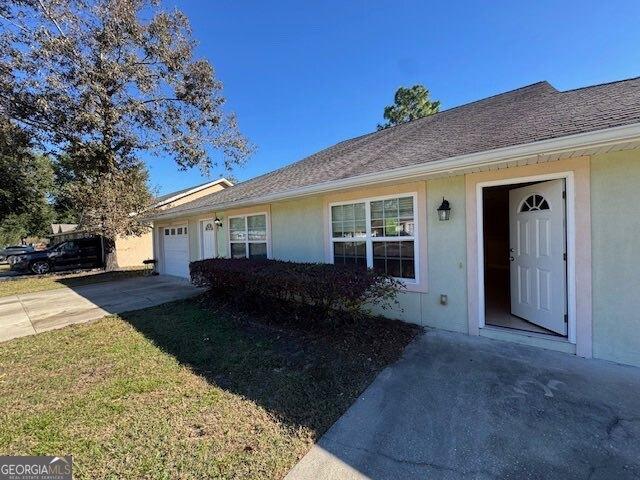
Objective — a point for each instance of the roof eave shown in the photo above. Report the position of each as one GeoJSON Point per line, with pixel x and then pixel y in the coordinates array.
{"type": "Point", "coordinates": [594, 139]}
{"type": "Point", "coordinates": [192, 191]}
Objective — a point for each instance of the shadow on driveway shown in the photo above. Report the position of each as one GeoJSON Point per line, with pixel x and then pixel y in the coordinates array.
{"type": "Point", "coordinates": [30, 313]}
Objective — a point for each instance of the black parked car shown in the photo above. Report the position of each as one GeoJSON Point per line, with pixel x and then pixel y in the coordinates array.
{"type": "Point", "coordinates": [7, 252]}
{"type": "Point", "coordinates": [69, 255]}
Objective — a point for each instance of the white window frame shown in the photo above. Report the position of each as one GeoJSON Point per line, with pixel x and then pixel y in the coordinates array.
{"type": "Point", "coordinates": [369, 239]}
{"type": "Point", "coordinates": [247, 241]}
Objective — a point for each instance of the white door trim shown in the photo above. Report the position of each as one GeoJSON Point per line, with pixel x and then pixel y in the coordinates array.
{"type": "Point", "coordinates": [571, 238]}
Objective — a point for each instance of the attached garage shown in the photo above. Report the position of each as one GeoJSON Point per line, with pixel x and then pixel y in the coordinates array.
{"type": "Point", "coordinates": [175, 254]}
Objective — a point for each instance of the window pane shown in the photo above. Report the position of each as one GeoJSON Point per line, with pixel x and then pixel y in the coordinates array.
{"type": "Point", "coordinates": [173, 231]}
{"type": "Point", "coordinates": [166, 231]}
{"type": "Point", "coordinates": [179, 230]}
{"type": "Point", "coordinates": [350, 253]}
{"type": "Point", "coordinates": [392, 218]}
{"type": "Point", "coordinates": [395, 258]}
{"type": "Point", "coordinates": [337, 229]}
{"type": "Point", "coordinates": [393, 267]}
{"type": "Point", "coordinates": [406, 227]}
{"type": "Point", "coordinates": [336, 213]}
{"type": "Point", "coordinates": [236, 229]}
{"type": "Point", "coordinates": [406, 207]}
{"type": "Point", "coordinates": [377, 228]}
{"type": "Point", "coordinates": [348, 213]}
{"type": "Point", "coordinates": [348, 221]}
{"type": "Point", "coordinates": [391, 227]}
{"type": "Point", "coordinates": [258, 251]}
{"type": "Point", "coordinates": [185, 230]}
{"type": "Point", "coordinates": [238, 250]}
{"type": "Point", "coordinates": [391, 208]}
{"type": "Point", "coordinates": [376, 210]}
{"type": "Point", "coordinates": [257, 226]}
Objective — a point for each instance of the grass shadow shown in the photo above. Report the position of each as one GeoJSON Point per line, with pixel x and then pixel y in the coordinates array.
{"type": "Point", "coordinates": [305, 376]}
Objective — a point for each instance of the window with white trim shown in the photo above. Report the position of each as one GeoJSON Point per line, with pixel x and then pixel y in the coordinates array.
{"type": "Point", "coordinates": [376, 233]}
{"type": "Point", "coordinates": [248, 236]}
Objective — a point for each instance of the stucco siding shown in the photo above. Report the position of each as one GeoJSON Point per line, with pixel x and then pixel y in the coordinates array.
{"type": "Point", "coordinates": [447, 252]}
{"type": "Point", "coordinates": [615, 197]}
{"type": "Point", "coordinates": [132, 250]}
{"type": "Point", "coordinates": [297, 230]}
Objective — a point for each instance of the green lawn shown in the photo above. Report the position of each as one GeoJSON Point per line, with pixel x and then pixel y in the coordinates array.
{"type": "Point", "coordinates": [33, 283]}
{"type": "Point", "coordinates": [183, 391]}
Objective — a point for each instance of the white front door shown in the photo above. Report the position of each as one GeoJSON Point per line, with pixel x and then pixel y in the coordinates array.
{"type": "Point", "coordinates": [537, 254]}
{"type": "Point", "coordinates": [176, 251]}
{"type": "Point", "coordinates": [207, 227]}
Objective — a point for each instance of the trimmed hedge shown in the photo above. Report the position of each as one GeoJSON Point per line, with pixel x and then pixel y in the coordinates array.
{"type": "Point", "coordinates": [327, 288]}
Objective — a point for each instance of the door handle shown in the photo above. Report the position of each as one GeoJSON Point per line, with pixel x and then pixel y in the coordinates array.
{"type": "Point", "coordinates": [511, 259]}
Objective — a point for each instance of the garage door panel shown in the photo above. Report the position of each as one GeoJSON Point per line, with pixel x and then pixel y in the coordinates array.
{"type": "Point", "coordinates": [176, 251]}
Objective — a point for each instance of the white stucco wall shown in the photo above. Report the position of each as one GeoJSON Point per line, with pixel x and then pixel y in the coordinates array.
{"type": "Point", "coordinates": [615, 222]}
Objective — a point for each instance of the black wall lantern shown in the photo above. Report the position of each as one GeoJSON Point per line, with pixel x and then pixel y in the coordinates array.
{"type": "Point", "coordinates": [444, 210]}
{"type": "Point", "coordinates": [218, 222]}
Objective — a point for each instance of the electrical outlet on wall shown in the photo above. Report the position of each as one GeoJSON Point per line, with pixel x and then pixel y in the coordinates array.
{"type": "Point", "coordinates": [444, 299]}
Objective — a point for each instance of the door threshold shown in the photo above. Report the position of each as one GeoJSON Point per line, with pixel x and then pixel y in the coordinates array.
{"type": "Point", "coordinates": [525, 333]}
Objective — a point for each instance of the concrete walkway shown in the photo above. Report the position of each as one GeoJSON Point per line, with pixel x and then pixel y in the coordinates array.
{"type": "Point", "coordinates": [460, 407]}
{"type": "Point", "coordinates": [31, 313]}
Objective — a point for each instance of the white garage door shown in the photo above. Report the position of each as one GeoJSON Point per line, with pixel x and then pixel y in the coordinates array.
{"type": "Point", "coordinates": [176, 251]}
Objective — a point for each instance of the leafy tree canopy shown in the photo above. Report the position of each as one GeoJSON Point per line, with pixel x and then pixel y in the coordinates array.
{"type": "Point", "coordinates": [26, 180]}
{"type": "Point", "coordinates": [99, 82]}
{"type": "Point", "coordinates": [409, 104]}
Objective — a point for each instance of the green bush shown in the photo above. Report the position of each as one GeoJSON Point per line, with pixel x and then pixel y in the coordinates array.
{"type": "Point", "coordinates": [327, 288]}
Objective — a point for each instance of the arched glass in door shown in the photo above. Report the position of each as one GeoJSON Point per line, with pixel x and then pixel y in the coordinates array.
{"type": "Point", "coordinates": [534, 202]}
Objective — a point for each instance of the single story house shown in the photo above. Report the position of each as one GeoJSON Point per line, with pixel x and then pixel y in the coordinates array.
{"type": "Point", "coordinates": [133, 250]}
{"type": "Point", "coordinates": [541, 242]}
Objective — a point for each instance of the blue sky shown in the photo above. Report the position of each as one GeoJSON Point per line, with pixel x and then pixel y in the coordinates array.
{"type": "Point", "coordinates": [302, 76]}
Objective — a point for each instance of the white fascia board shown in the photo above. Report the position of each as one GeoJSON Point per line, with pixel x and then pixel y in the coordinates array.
{"type": "Point", "coordinates": [598, 138]}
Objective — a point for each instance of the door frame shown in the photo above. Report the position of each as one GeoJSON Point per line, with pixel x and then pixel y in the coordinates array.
{"type": "Point", "coordinates": [568, 176]}
{"type": "Point", "coordinates": [201, 237]}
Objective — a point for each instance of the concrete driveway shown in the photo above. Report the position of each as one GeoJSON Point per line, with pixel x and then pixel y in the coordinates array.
{"type": "Point", "coordinates": [31, 313]}
{"type": "Point", "coordinates": [460, 407]}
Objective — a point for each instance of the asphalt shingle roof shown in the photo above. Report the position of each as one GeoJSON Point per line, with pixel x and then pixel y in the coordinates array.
{"type": "Point", "coordinates": [529, 114]}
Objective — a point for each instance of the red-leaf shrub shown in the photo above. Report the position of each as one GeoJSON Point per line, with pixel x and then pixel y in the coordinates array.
{"type": "Point", "coordinates": [325, 287]}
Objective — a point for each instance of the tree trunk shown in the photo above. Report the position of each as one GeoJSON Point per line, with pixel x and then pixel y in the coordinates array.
{"type": "Point", "coordinates": [110, 254]}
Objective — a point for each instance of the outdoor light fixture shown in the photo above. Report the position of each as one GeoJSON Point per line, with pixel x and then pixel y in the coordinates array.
{"type": "Point", "coordinates": [217, 222]}
{"type": "Point", "coordinates": [444, 210]}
